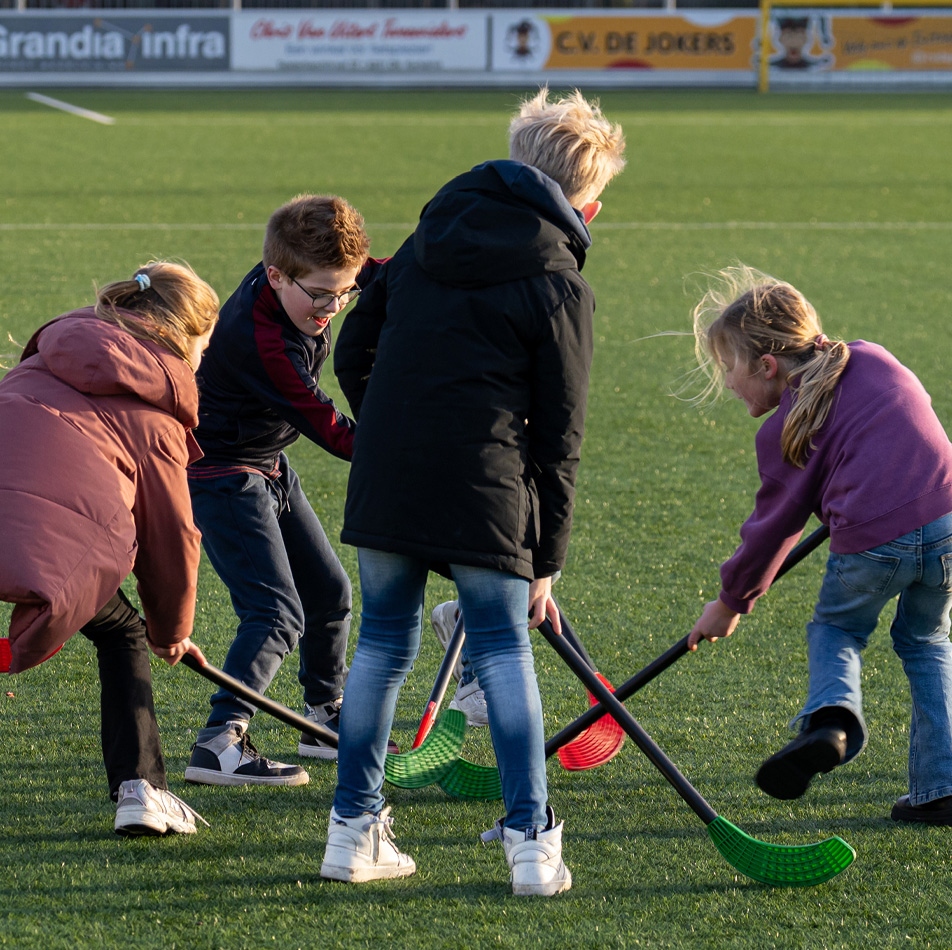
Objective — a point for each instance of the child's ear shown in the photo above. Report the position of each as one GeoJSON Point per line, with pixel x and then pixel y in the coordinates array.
{"type": "Point", "coordinates": [769, 363]}
{"type": "Point", "coordinates": [590, 210]}
{"type": "Point", "coordinates": [274, 276]}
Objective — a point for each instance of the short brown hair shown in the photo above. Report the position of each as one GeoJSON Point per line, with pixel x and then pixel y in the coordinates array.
{"type": "Point", "coordinates": [570, 141]}
{"type": "Point", "coordinates": [312, 231]}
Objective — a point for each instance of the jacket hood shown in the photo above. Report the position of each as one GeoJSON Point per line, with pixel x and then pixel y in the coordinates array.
{"type": "Point", "coordinates": [101, 359]}
{"type": "Point", "coordinates": [501, 221]}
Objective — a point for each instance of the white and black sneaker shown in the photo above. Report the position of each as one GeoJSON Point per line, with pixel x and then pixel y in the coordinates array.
{"type": "Point", "coordinates": [143, 809]}
{"type": "Point", "coordinates": [224, 755]}
{"type": "Point", "coordinates": [327, 715]}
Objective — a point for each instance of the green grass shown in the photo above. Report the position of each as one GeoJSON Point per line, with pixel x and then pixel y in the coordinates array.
{"type": "Point", "coordinates": [713, 177]}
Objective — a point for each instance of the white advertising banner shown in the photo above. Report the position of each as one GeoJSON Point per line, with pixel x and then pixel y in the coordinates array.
{"type": "Point", "coordinates": [375, 41]}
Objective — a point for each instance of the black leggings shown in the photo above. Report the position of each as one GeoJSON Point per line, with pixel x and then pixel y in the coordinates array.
{"type": "Point", "coordinates": [130, 733]}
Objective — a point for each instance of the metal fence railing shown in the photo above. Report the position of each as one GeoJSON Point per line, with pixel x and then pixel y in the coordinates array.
{"type": "Point", "coordinates": [30, 5]}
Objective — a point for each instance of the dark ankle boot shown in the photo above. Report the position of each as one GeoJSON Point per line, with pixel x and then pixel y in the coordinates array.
{"type": "Point", "coordinates": [821, 748]}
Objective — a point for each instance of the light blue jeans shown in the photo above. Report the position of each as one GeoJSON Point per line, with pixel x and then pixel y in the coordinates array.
{"type": "Point", "coordinates": [856, 588]}
{"type": "Point", "coordinates": [495, 606]}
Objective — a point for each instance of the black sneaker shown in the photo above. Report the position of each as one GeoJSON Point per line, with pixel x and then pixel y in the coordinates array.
{"type": "Point", "coordinates": [938, 812]}
{"type": "Point", "coordinates": [787, 773]}
{"type": "Point", "coordinates": [224, 755]}
{"type": "Point", "coordinates": [327, 715]}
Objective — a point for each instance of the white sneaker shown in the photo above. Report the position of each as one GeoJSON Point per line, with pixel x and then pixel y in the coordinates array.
{"type": "Point", "coordinates": [143, 809]}
{"type": "Point", "coordinates": [328, 715]}
{"type": "Point", "coordinates": [535, 860]}
{"type": "Point", "coordinates": [363, 849]}
{"type": "Point", "coordinates": [444, 618]}
{"type": "Point", "coordinates": [471, 701]}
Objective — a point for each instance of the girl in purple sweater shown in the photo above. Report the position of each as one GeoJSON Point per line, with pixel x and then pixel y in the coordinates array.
{"type": "Point", "coordinates": [854, 441]}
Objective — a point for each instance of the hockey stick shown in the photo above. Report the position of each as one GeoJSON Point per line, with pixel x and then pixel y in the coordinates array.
{"type": "Point", "coordinates": [289, 716]}
{"type": "Point", "coordinates": [442, 682]}
{"type": "Point", "coordinates": [778, 865]}
{"type": "Point", "coordinates": [594, 743]}
{"type": "Point", "coordinates": [659, 665]}
{"type": "Point", "coordinates": [470, 780]}
{"type": "Point", "coordinates": [424, 765]}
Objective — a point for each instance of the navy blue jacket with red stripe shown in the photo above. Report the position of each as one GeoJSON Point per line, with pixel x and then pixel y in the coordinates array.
{"type": "Point", "coordinates": [259, 383]}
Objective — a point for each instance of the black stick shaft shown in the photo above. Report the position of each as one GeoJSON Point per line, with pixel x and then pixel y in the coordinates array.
{"type": "Point", "coordinates": [624, 718]}
{"type": "Point", "coordinates": [659, 665]}
{"type": "Point", "coordinates": [453, 650]}
{"type": "Point", "coordinates": [569, 633]}
{"type": "Point", "coordinates": [289, 716]}
{"type": "Point", "coordinates": [442, 682]}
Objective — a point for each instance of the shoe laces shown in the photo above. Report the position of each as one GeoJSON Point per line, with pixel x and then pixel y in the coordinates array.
{"type": "Point", "coordinates": [494, 833]}
{"type": "Point", "coordinates": [183, 805]}
{"type": "Point", "coordinates": [248, 747]}
{"type": "Point", "coordinates": [385, 835]}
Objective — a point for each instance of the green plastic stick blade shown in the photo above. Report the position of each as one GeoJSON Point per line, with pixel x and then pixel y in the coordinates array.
{"type": "Point", "coordinates": [798, 865]}
{"type": "Point", "coordinates": [430, 760]}
{"type": "Point", "coordinates": [471, 781]}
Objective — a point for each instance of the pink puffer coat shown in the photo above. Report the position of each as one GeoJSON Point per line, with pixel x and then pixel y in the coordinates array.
{"type": "Point", "coordinates": [94, 439]}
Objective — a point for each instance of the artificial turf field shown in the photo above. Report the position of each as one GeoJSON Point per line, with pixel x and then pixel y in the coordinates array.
{"type": "Point", "coordinates": [848, 196]}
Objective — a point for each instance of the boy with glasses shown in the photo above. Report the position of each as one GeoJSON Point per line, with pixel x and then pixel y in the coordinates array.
{"type": "Point", "coordinates": [259, 390]}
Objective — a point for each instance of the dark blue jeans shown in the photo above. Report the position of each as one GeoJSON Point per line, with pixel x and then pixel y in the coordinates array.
{"type": "Point", "coordinates": [286, 583]}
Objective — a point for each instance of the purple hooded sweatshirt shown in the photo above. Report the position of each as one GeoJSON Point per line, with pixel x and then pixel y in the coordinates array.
{"type": "Point", "coordinates": [881, 467]}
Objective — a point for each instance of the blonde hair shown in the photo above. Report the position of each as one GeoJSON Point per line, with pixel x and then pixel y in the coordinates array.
{"type": "Point", "coordinates": [312, 231]}
{"type": "Point", "coordinates": [569, 140]}
{"type": "Point", "coordinates": [173, 302]}
{"type": "Point", "coordinates": [748, 314]}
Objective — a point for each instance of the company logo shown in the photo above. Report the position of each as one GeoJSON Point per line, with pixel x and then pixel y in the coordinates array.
{"type": "Point", "coordinates": [158, 44]}
{"type": "Point", "coordinates": [525, 44]}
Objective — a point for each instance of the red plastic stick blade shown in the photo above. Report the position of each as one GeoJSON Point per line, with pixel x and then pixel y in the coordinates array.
{"type": "Point", "coordinates": [5, 657]}
{"type": "Point", "coordinates": [598, 744]}
{"type": "Point", "coordinates": [426, 724]}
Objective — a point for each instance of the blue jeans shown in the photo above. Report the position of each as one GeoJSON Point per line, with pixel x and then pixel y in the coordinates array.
{"type": "Point", "coordinates": [918, 568]}
{"type": "Point", "coordinates": [495, 606]}
{"type": "Point", "coordinates": [286, 583]}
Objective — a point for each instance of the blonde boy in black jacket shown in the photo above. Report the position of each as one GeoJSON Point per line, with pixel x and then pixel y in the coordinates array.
{"type": "Point", "coordinates": [466, 364]}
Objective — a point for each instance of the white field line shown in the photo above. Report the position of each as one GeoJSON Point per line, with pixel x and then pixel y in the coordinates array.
{"type": "Point", "coordinates": [71, 109]}
{"type": "Point", "coordinates": [938, 118]}
{"type": "Point", "coordinates": [601, 226]}
{"type": "Point", "coordinates": [773, 226]}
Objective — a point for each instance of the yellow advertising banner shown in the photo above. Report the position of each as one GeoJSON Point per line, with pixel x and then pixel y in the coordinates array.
{"type": "Point", "coordinates": [921, 42]}
{"type": "Point", "coordinates": [702, 40]}
{"type": "Point", "coordinates": [825, 42]}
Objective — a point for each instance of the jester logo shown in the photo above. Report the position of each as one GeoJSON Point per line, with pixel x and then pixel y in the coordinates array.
{"type": "Point", "coordinates": [522, 39]}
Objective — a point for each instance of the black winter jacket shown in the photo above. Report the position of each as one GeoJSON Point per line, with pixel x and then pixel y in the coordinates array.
{"type": "Point", "coordinates": [479, 336]}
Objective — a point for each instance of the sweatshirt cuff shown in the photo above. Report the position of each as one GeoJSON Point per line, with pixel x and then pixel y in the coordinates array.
{"type": "Point", "coordinates": [738, 606]}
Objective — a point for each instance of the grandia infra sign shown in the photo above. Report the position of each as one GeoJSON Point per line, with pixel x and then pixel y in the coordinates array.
{"type": "Point", "coordinates": [114, 43]}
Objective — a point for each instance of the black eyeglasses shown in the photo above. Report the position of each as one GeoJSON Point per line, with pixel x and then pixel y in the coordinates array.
{"type": "Point", "coordinates": [323, 301]}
